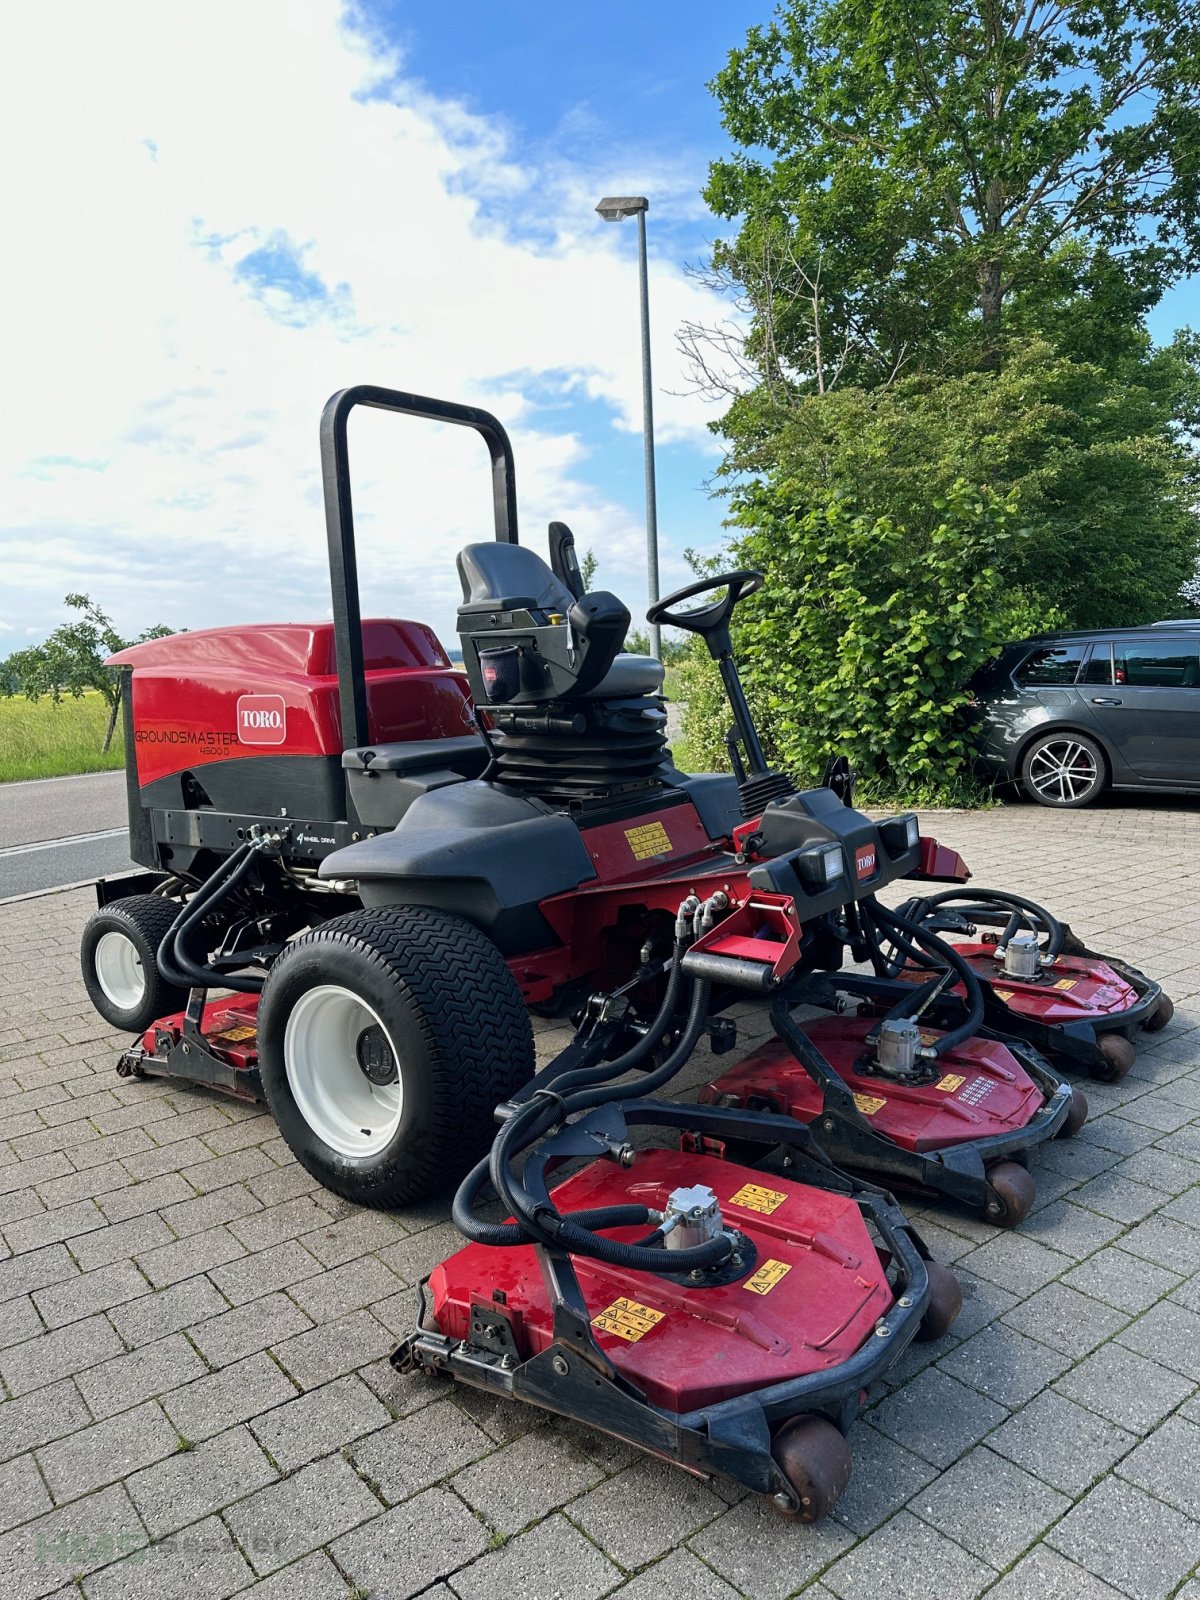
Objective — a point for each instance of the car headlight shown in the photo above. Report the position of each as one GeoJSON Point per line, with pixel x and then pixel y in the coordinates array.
{"type": "Point", "coordinates": [820, 865]}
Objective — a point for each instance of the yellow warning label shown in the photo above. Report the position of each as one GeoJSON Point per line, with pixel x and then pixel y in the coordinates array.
{"type": "Point", "coordinates": [952, 1081]}
{"type": "Point", "coordinates": [628, 1320]}
{"type": "Point", "coordinates": [755, 1198]}
{"type": "Point", "coordinates": [234, 1036]}
{"type": "Point", "coordinates": [767, 1276]}
{"type": "Point", "coordinates": [869, 1104]}
{"type": "Point", "coordinates": [1004, 994]}
{"type": "Point", "coordinates": [1065, 983]}
{"type": "Point", "coordinates": [650, 839]}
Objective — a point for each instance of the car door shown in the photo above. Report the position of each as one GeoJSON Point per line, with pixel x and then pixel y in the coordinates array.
{"type": "Point", "coordinates": [1145, 693]}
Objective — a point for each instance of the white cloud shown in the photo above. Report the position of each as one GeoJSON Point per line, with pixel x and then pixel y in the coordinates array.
{"type": "Point", "coordinates": [159, 411]}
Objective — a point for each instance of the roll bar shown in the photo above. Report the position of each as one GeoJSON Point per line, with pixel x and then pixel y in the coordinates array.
{"type": "Point", "coordinates": [339, 521]}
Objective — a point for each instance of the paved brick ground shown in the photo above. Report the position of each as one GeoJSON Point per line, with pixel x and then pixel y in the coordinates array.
{"type": "Point", "coordinates": [194, 1341]}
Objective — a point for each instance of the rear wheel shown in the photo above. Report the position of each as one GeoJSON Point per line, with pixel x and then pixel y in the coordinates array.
{"type": "Point", "coordinates": [816, 1461]}
{"type": "Point", "coordinates": [1063, 770]}
{"type": "Point", "coordinates": [1015, 1192]}
{"type": "Point", "coordinates": [118, 955]}
{"type": "Point", "coordinates": [386, 1039]}
{"type": "Point", "coordinates": [1116, 1057]}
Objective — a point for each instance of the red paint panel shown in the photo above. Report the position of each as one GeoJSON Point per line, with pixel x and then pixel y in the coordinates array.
{"type": "Point", "coordinates": [642, 846]}
{"type": "Point", "coordinates": [230, 1027]}
{"type": "Point", "coordinates": [189, 692]}
{"type": "Point", "coordinates": [992, 1094]}
{"type": "Point", "coordinates": [702, 1345]}
{"type": "Point", "coordinates": [1072, 990]}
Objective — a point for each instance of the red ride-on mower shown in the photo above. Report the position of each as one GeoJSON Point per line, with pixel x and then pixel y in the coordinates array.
{"type": "Point", "coordinates": [739, 1336]}
{"type": "Point", "coordinates": [388, 860]}
{"type": "Point", "coordinates": [1041, 982]}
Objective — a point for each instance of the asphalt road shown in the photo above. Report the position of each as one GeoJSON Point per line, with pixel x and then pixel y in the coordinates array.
{"type": "Point", "coordinates": [61, 830]}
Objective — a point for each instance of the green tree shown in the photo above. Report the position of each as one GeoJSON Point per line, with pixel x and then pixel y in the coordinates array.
{"type": "Point", "coordinates": [906, 173]}
{"type": "Point", "coordinates": [71, 660]}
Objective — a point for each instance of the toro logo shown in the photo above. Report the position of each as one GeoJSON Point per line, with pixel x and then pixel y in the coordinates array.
{"type": "Point", "coordinates": [864, 861]}
{"type": "Point", "coordinates": [261, 719]}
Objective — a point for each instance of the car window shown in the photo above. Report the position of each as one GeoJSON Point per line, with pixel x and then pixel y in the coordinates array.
{"type": "Point", "coordinates": [1050, 663]}
{"type": "Point", "coordinates": [1157, 663]}
{"type": "Point", "coordinates": [1099, 668]}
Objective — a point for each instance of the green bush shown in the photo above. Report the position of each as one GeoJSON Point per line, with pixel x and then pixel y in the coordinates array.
{"type": "Point", "coordinates": [862, 640]}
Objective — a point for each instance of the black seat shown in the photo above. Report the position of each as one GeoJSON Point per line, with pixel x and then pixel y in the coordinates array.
{"type": "Point", "coordinates": [565, 648]}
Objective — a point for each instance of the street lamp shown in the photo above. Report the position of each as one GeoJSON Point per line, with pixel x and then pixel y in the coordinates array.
{"type": "Point", "coordinates": [615, 208]}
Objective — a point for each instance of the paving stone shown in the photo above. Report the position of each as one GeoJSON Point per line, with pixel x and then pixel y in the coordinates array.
{"type": "Point", "coordinates": [551, 1562]}
{"type": "Point", "coordinates": [1136, 1543]}
{"type": "Point", "coordinates": [353, 1236]}
{"type": "Point", "coordinates": [19, 1321]}
{"type": "Point", "coordinates": [23, 1495]}
{"type": "Point", "coordinates": [1124, 1387]}
{"type": "Point", "coordinates": [167, 1311]}
{"type": "Point", "coordinates": [106, 1452]}
{"type": "Point", "coordinates": [1005, 1365]}
{"type": "Point", "coordinates": [38, 1417]}
{"type": "Point", "coordinates": [90, 1292]}
{"type": "Point", "coordinates": [614, 1513]}
{"type": "Point", "coordinates": [35, 1270]}
{"type": "Point", "coordinates": [200, 1563]}
{"type": "Point", "coordinates": [301, 1513]}
{"type": "Point", "coordinates": [1117, 1133]}
{"type": "Point", "coordinates": [417, 1451]}
{"type": "Point", "coordinates": [192, 1484]}
{"type": "Point", "coordinates": [320, 1421]}
{"type": "Point", "coordinates": [277, 1223]}
{"type": "Point", "coordinates": [278, 1267]}
{"type": "Point", "coordinates": [254, 1326]}
{"type": "Point", "coordinates": [983, 1302]}
{"type": "Point", "coordinates": [210, 1404]}
{"type": "Point", "coordinates": [1167, 1465]}
{"type": "Point", "coordinates": [1167, 1243]}
{"type": "Point", "coordinates": [990, 1506]}
{"type": "Point", "coordinates": [415, 1258]}
{"type": "Point", "coordinates": [48, 1227]}
{"type": "Point", "coordinates": [119, 1241]}
{"type": "Point", "coordinates": [1160, 1170]}
{"type": "Point", "coordinates": [41, 1556]}
{"type": "Point", "coordinates": [160, 1159]}
{"type": "Point", "coordinates": [886, 1475]}
{"type": "Point", "coordinates": [1168, 1334]}
{"type": "Point", "coordinates": [680, 1577]}
{"type": "Point", "coordinates": [755, 1550]}
{"type": "Point", "coordinates": [218, 1172]}
{"type": "Point", "coordinates": [1063, 1443]}
{"type": "Point", "coordinates": [313, 1577]}
{"type": "Point", "coordinates": [1017, 1264]}
{"type": "Point", "coordinates": [407, 1549]}
{"type": "Point", "coordinates": [1122, 1280]}
{"type": "Point", "coordinates": [332, 1348]}
{"type": "Point", "coordinates": [1066, 1320]}
{"type": "Point", "coordinates": [54, 1355]}
{"type": "Point", "coordinates": [141, 1198]}
{"type": "Point", "coordinates": [177, 1259]}
{"type": "Point", "coordinates": [526, 1479]}
{"type": "Point", "coordinates": [125, 1380]}
{"type": "Point", "coordinates": [937, 1417]}
{"type": "Point", "coordinates": [355, 1284]}
{"type": "Point", "coordinates": [906, 1559]}
{"type": "Point", "coordinates": [1045, 1575]}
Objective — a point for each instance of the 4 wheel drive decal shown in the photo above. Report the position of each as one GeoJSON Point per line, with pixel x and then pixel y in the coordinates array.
{"type": "Point", "coordinates": [261, 719]}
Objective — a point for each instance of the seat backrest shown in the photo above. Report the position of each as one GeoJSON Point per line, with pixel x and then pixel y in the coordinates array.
{"type": "Point", "coordinates": [509, 577]}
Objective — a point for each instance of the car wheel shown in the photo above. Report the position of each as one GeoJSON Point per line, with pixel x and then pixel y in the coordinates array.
{"type": "Point", "coordinates": [1063, 769]}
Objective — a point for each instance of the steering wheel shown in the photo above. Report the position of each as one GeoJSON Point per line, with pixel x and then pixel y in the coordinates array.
{"type": "Point", "coordinates": [712, 620]}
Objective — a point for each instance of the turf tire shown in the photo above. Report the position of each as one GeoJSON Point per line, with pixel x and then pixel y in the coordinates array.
{"type": "Point", "coordinates": [143, 919]}
{"type": "Point", "coordinates": [459, 1026]}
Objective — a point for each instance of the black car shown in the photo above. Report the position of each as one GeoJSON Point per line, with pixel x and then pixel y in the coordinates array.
{"type": "Point", "coordinates": [1069, 714]}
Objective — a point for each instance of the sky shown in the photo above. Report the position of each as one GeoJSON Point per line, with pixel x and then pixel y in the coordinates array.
{"type": "Point", "coordinates": [215, 215]}
{"type": "Point", "coordinates": [221, 213]}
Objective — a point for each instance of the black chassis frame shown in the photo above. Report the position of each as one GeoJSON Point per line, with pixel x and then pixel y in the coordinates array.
{"type": "Point", "coordinates": [848, 1138]}
{"type": "Point", "coordinates": [573, 1377]}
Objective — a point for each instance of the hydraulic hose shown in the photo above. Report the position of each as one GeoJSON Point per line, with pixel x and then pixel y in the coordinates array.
{"type": "Point", "coordinates": [173, 960]}
{"type": "Point", "coordinates": [947, 956]}
{"type": "Point", "coordinates": [462, 1214]}
{"type": "Point", "coordinates": [926, 905]}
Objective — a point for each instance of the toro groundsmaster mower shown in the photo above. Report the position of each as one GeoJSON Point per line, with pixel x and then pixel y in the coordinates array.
{"type": "Point", "coordinates": [740, 1334]}
{"type": "Point", "coordinates": [388, 861]}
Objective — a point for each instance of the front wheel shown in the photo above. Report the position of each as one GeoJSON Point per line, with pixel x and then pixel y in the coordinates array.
{"type": "Point", "coordinates": [118, 954]}
{"type": "Point", "coordinates": [1064, 770]}
{"type": "Point", "coordinates": [386, 1039]}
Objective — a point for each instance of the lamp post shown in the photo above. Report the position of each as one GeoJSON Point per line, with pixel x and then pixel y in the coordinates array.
{"type": "Point", "coordinates": [615, 208]}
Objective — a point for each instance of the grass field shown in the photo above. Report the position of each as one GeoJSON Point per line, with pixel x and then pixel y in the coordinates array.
{"type": "Point", "coordinates": [39, 739]}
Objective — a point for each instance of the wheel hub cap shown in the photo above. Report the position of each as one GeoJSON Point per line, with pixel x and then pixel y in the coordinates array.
{"type": "Point", "coordinates": [118, 970]}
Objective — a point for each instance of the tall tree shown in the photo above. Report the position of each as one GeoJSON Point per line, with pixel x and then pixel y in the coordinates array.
{"type": "Point", "coordinates": [907, 172]}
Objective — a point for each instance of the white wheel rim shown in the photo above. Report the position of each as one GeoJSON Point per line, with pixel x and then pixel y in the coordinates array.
{"type": "Point", "coordinates": [119, 970]}
{"type": "Point", "coordinates": [1063, 769]}
{"type": "Point", "coordinates": [342, 1106]}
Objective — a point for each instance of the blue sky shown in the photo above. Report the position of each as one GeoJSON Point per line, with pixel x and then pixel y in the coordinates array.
{"type": "Point", "coordinates": [215, 238]}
